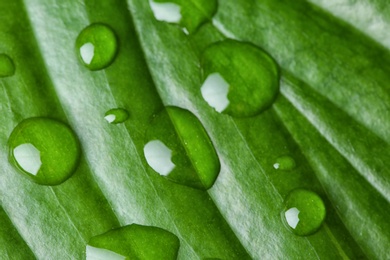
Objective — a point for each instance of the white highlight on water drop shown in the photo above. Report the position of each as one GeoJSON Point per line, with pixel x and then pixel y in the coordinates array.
{"type": "Point", "coordinates": [158, 156]}
{"type": "Point", "coordinates": [292, 218]}
{"type": "Point", "coordinates": [110, 118]}
{"type": "Point", "coordinates": [94, 253]}
{"type": "Point", "coordinates": [215, 90]}
{"type": "Point", "coordinates": [166, 12]}
{"type": "Point", "coordinates": [87, 51]}
{"type": "Point", "coordinates": [276, 166]}
{"type": "Point", "coordinates": [28, 157]}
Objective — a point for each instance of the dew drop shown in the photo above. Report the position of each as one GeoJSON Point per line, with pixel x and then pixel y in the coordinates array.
{"type": "Point", "coordinates": [187, 14]}
{"type": "Point", "coordinates": [133, 242]}
{"type": "Point", "coordinates": [97, 46]}
{"type": "Point", "coordinates": [44, 150]}
{"type": "Point", "coordinates": [251, 75]}
{"type": "Point", "coordinates": [285, 163]}
{"type": "Point", "coordinates": [7, 67]}
{"type": "Point", "coordinates": [116, 115]}
{"type": "Point", "coordinates": [178, 147]}
{"type": "Point", "coordinates": [304, 212]}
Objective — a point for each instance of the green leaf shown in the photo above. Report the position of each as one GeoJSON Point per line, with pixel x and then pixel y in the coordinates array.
{"type": "Point", "coordinates": [331, 117]}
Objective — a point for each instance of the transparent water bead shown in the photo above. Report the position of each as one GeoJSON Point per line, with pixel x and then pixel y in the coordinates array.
{"type": "Point", "coordinates": [178, 147]}
{"type": "Point", "coordinates": [133, 242]}
{"type": "Point", "coordinates": [44, 150]}
{"type": "Point", "coordinates": [97, 46]}
{"type": "Point", "coordinates": [304, 212]}
{"type": "Point", "coordinates": [248, 75]}
{"type": "Point", "coordinates": [7, 67]}
{"type": "Point", "coordinates": [116, 115]}
{"type": "Point", "coordinates": [190, 15]}
{"type": "Point", "coordinates": [284, 163]}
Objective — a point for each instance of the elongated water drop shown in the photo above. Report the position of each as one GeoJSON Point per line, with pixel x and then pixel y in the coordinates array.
{"type": "Point", "coordinates": [7, 67]}
{"type": "Point", "coordinates": [304, 212]}
{"type": "Point", "coordinates": [285, 163]}
{"type": "Point", "coordinates": [97, 46]}
{"type": "Point", "coordinates": [116, 115]}
{"type": "Point", "coordinates": [45, 150]}
{"type": "Point", "coordinates": [239, 78]}
{"type": "Point", "coordinates": [133, 242]}
{"type": "Point", "coordinates": [190, 15]}
{"type": "Point", "coordinates": [178, 147]}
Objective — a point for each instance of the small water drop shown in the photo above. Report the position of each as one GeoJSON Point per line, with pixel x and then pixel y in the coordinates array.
{"type": "Point", "coordinates": [45, 150]}
{"type": "Point", "coordinates": [97, 46]}
{"type": "Point", "coordinates": [178, 147]}
{"type": "Point", "coordinates": [7, 67]}
{"type": "Point", "coordinates": [133, 242]}
{"type": "Point", "coordinates": [188, 14]}
{"type": "Point", "coordinates": [251, 75]}
{"type": "Point", "coordinates": [285, 163]}
{"type": "Point", "coordinates": [304, 212]}
{"type": "Point", "coordinates": [116, 115]}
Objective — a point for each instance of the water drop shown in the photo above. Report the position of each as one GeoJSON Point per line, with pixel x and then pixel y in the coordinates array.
{"type": "Point", "coordinates": [250, 75]}
{"type": "Point", "coordinates": [7, 67]}
{"type": "Point", "coordinates": [285, 163]}
{"type": "Point", "coordinates": [116, 115]}
{"type": "Point", "coordinates": [187, 14]}
{"type": "Point", "coordinates": [304, 212]}
{"type": "Point", "coordinates": [133, 242]}
{"type": "Point", "coordinates": [97, 46]}
{"type": "Point", "coordinates": [45, 150]}
{"type": "Point", "coordinates": [178, 147]}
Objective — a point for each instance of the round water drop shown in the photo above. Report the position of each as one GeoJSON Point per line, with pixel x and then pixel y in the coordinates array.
{"type": "Point", "coordinates": [240, 79]}
{"type": "Point", "coordinates": [7, 67]}
{"type": "Point", "coordinates": [190, 15]}
{"type": "Point", "coordinates": [116, 115]}
{"type": "Point", "coordinates": [133, 242]}
{"type": "Point", "coordinates": [285, 163]}
{"type": "Point", "coordinates": [304, 212]}
{"type": "Point", "coordinates": [97, 46]}
{"type": "Point", "coordinates": [45, 150]}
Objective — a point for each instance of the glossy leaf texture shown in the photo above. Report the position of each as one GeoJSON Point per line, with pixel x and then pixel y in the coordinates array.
{"type": "Point", "coordinates": [331, 116]}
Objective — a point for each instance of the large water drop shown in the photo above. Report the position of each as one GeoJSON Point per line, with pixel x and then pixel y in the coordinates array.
{"type": "Point", "coordinates": [249, 74]}
{"type": "Point", "coordinates": [304, 212]}
{"type": "Point", "coordinates": [97, 46]}
{"type": "Point", "coordinates": [178, 147]}
{"type": "Point", "coordinates": [44, 150]}
{"type": "Point", "coordinates": [133, 242]}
